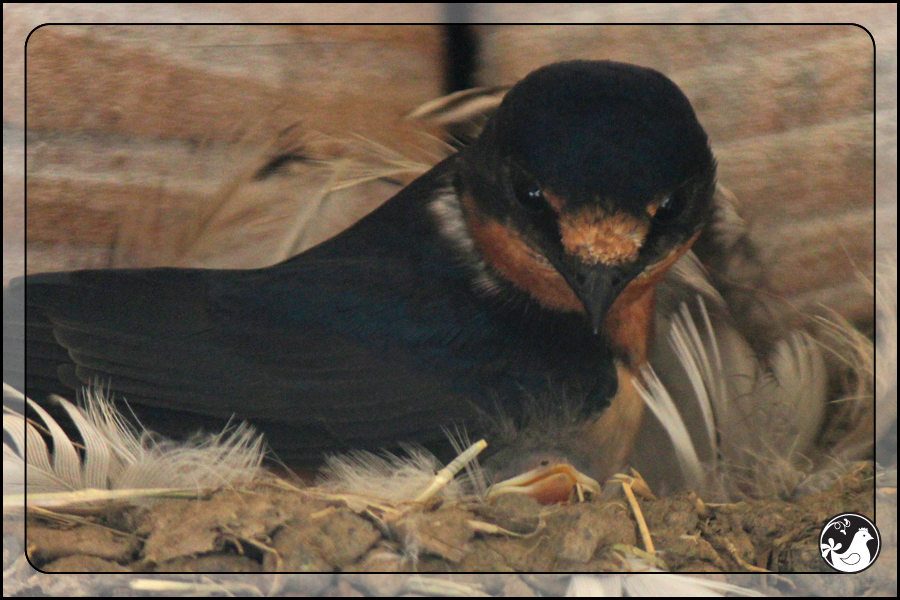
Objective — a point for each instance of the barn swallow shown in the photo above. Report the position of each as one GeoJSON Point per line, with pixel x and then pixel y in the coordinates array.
{"type": "Point", "coordinates": [522, 267]}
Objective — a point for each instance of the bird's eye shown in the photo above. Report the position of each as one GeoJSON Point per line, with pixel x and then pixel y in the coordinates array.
{"type": "Point", "coordinates": [666, 210]}
{"type": "Point", "coordinates": [527, 191]}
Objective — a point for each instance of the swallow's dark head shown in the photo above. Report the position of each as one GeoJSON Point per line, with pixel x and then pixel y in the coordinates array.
{"type": "Point", "coordinates": [591, 178]}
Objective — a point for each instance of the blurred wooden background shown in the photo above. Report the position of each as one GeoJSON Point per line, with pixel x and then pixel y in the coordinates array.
{"type": "Point", "coordinates": [122, 118]}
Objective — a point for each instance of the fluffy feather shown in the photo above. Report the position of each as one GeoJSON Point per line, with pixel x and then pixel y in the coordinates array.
{"type": "Point", "coordinates": [116, 456]}
{"type": "Point", "coordinates": [387, 477]}
{"type": "Point", "coordinates": [755, 413]}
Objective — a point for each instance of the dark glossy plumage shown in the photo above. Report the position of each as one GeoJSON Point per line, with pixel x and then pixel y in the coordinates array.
{"type": "Point", "coordinates": [483, 285]}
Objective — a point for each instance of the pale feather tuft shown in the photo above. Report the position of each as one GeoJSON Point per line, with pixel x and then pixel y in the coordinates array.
{"type": "Point", "coordinates": [117, 456]}
{"type": "Point", "coordinates": [760, 416]}
{"type": "Point", "coordinates": [385, 476]}
{"type": "Point", "coordinates": [660, 403]}
{"type": "Point", "coordinates": [461, 106]}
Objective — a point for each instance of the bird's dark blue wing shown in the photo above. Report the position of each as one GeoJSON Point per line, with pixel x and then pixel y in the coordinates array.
{"type": "Point", "coordinates": [373, 337]}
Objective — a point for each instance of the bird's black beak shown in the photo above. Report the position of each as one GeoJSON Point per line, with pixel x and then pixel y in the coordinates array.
{"type": "Point", "coordinates": [598, 286]}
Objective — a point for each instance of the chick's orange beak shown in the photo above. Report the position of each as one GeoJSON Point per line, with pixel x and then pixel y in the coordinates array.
{"type": "Point", "coordinates": [548, 484]}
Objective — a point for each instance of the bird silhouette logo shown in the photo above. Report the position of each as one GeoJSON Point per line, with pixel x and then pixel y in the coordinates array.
{"type": "Point", "coordinates": [847, 543]}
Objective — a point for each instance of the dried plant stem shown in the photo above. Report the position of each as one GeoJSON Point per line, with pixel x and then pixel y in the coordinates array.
{"type": "Point", "coordinates": [449, 472]}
